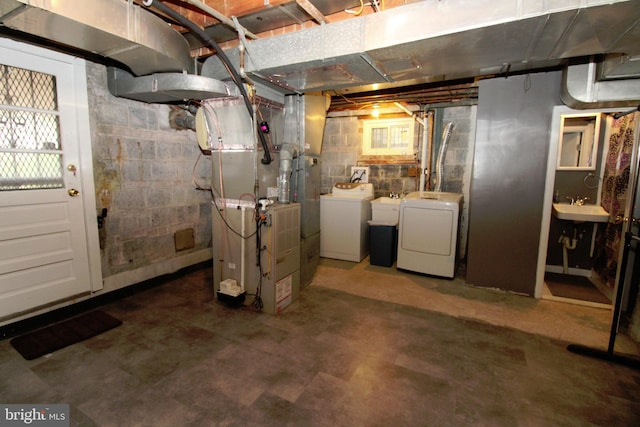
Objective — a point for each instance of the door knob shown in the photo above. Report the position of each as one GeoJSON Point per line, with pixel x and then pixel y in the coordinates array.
{"type": "Point", "coordinates": [73, 192]}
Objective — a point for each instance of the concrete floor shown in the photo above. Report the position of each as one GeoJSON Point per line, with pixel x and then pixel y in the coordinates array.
{"type": "Point", "coordinates": [362, 346]}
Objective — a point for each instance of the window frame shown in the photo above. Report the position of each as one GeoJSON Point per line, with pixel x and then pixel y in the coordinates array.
{"type": "Point", "coordinates": [370, 125]}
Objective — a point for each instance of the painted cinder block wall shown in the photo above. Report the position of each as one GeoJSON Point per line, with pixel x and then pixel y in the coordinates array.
{"type": "Point", "coordinates": [143, 177]}
{"type": "Point", "coordinates": [342, 148]}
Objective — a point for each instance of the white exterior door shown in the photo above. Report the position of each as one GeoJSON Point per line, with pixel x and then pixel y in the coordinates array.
{"type": "Point", "coordinates": [46, 182]}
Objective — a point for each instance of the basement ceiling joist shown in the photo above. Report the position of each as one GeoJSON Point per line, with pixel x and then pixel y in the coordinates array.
{"type": "Point", "coordinates": [270, 18]}
{"type": "Point", "coordinates": [455, 92]}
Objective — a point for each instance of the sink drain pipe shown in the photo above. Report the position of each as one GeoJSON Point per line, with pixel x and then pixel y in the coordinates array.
{"type": "Point", "coordinates": [568, 244]}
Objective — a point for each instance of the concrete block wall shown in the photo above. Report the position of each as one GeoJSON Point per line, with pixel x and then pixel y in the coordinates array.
{"type": "Point", "coordinates": [459, 152]}
{"type": "Point", "coordinates": [393, 178]}
{"type": "Point", "coordinates": [458, 164]}
{"type": "Point", "coordinates": [143, 177]}
{"type": "Point", "coordinates": [342, 149]}
{"type": "Point", "coordinates": [341, 146]}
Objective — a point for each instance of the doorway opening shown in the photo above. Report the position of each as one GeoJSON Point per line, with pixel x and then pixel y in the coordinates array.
{"type": "Point", "coordinates": [578, 259]}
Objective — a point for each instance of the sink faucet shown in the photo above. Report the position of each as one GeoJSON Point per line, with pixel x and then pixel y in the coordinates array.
{"type": "Point", "coordinates": [580, 200]}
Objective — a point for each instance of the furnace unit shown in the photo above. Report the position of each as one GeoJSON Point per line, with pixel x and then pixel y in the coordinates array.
{"type": "Point", "coordinates": [261, 258]}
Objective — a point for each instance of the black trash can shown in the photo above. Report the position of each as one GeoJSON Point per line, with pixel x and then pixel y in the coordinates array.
{"type": "Point", "coordinates": [383, 241]}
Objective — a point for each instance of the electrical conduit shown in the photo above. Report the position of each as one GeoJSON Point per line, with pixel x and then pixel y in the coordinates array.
{"type": "Point", "coordinates": [243, 230]}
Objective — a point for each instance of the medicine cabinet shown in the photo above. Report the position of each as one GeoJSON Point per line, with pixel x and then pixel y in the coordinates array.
{"type": "Point", "coordinates": [578, 145]}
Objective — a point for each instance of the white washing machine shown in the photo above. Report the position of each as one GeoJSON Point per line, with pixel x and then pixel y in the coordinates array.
{"type": "Point", "coordinates": [344, 231]}
{"type": "Point", "coordinates": [428, 233]}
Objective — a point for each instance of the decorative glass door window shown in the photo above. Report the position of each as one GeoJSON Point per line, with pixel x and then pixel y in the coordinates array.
{"type": "Point", "coordinates": [388, 137]}
{"type": "Point", "coordinates": [30, 148]}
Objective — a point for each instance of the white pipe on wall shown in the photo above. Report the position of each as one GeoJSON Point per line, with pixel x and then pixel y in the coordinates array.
{"type": "Point", "coordinates": [242, 247]}
{"type": "Point", "coordinates": [424, 167]}
{"type": "Point", "coordinates": [426, 147]}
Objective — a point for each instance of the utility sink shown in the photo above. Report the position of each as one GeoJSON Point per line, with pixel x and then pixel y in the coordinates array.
{"type": "Point", "coordinates": [385, 209]}
{"type": "Point", "coordinates": [580, 213]}
{"type": "Point", "coordinates": [385, 199]}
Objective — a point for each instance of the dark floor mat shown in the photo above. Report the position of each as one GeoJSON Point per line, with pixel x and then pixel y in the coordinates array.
{"type": "Point", "coordinates": [574, 287]}
{"type": "Point", "coordinates": [46, 340]}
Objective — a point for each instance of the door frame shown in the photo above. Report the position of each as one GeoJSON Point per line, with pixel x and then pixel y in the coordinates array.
{"type": "Point", "coordinates": [552, 162]}
{"type": "Point", "coordinates": [85, 166]}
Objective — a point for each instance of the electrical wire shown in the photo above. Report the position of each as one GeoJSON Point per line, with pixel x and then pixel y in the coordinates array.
{"type": "Point", "coordinates": [359, 11]}
{"type": "Point", "coordinates": [193, 176]}
{"type": "Point", "coordinates": [224, 219]}
{"type": "Point", "coordinates": [619, 115]}
{"type": "Point", "coordinates": [377, 5]}
{"type": "Point", "coordinates": [257, 300]}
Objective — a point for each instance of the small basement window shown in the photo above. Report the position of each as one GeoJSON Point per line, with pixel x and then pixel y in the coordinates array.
{"type": "Point", "coordinates": [388, 137]}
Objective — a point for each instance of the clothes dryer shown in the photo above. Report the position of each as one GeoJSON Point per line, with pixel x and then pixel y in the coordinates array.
{"type": "Point", "coordinates": [428, 232]}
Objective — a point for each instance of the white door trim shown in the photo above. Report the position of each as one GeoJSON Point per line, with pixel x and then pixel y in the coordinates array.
{"type": "Point", "coordinates": [552, 162]}
{"type": "Point", "coordinates": [83, 131]}
{"type": "Point", "coordinates": [86, 172]}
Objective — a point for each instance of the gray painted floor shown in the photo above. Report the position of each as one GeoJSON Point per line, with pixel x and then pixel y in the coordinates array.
{"type": "Point", "coordinates": [333, 358]}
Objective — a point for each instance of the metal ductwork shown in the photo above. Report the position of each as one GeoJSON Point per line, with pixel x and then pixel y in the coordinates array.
{"type": "Point", "coordinates": [115, 29]}
{"type": "Point", "coordinates": [421, 42]}
{"type": "Point", "coordinates": [161, 88]}
{"type": "Point", "coordinates": [157, 55]}
{"type": "Point", "coordinates": [588, 85]}
{"type": "Point", "coordinates": [429, 41]}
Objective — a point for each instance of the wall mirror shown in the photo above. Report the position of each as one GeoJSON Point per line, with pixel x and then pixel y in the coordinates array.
{"type": "Point", "coordinates": [578, 145]}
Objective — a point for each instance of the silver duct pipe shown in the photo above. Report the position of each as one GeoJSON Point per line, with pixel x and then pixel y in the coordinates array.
{"type": "Point", "coordinates": [582, 88]}
{"type": "Point", "coordinates": [513, 36]}
{"type": "Point", "coordinates": [509, 37]}
{"type": "Point", "coordinates": [115, 29]}
{"type": "Point", "coordinates": [237, 79]}
{"type": "Point", "coordinates": [446, 134]}
{"type": "Point", "coordinates": [287, 153]}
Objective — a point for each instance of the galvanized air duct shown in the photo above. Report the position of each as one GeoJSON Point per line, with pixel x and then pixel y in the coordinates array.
{"type": "Point", "coordinates": [582, 88]}
{"type": "Point", "coordinates": [116, 29]}
{"type": "Point", "coordinates": [225, 61]}
{"type": "Point", "coordinates": [428, 41]}
{"type": "Point", "coordinates": [287, 153]}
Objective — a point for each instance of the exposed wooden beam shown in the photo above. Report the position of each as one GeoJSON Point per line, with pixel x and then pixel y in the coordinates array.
{"type": "Point", "coordinates": [244, 7]}
{"type": "Point", "coordinates": [219, 16]}
{"type": "Point", "coordinates": [312, 11]}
